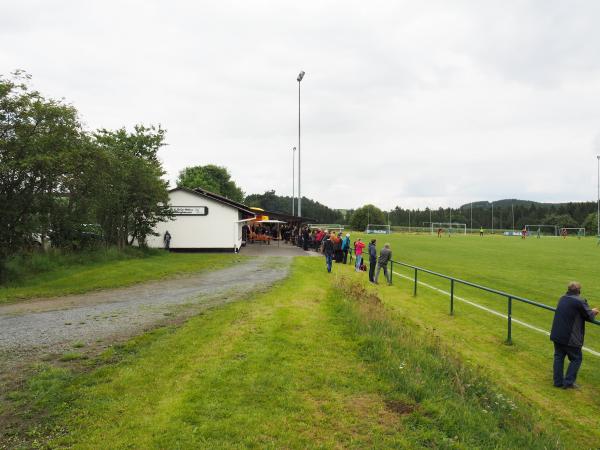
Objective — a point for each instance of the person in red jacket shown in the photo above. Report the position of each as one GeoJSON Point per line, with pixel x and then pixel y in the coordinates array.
{"type": "Point", "coordinates": [358, 250]}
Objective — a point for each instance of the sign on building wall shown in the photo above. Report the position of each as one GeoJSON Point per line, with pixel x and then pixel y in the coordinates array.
{"type": "Point", "coordinates": [190, 210]}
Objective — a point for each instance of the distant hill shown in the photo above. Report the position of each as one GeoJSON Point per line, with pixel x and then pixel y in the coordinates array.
{"type": "Point", "coordinates": [503, 203]}
{"type": "Point", "coordinates": [310, 208]}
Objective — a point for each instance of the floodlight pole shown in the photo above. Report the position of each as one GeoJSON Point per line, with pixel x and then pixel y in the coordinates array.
{"type": "Point", "coordinates": [471, 217]}
{"type": "Point", "coordinates": [293, 177]}
{"type": "Point", "coordinates": [409, 220]}
{"type": "Point", "coordinates": [512, 208]}
{"type": "Point", "coordinates": [492, 217]}
{"type": "Point", "coordinates": [598, 214]}
{"type": "Point", "coordinates": [299, 79]}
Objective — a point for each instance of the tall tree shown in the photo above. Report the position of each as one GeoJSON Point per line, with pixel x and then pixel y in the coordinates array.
{"type": "Point", "coordinates": [212, 178]}
{"type": "Point", "coordinates": [39, 140]}
{"type": "Point", "coordinates": [367, 214]}
{"type": "Point", "coordinates": [135, 197]}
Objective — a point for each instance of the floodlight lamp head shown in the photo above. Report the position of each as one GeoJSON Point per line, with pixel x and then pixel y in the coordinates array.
{"type": "Point", "coordinates": [294, 149]}
{"type": "Point", "coordinates": [300, 76]}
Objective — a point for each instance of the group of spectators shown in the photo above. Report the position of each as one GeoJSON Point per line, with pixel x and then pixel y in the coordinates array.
{"type": "Point", "coordinates": [337, 248]}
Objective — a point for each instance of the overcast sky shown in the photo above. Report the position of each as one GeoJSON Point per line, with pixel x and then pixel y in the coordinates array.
{"type": "Point", "coordinates": [433, 103]}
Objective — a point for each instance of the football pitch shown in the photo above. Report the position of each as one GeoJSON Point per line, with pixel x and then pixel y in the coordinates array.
{"type": "Point", "coordinates": [537, 269]}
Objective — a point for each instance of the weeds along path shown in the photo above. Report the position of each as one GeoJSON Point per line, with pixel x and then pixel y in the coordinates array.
{"type": "Point", "coordinates": [55, 325]}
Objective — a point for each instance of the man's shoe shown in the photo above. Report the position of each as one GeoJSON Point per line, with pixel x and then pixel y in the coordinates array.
{"type": "Point", "coordinates": [571, 386]}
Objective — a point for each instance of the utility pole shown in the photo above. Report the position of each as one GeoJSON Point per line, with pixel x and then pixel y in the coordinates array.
{"type": "Point", "coordinates": [299, 79]}
{"type": "Point", "coordinates": [293, 178]}
{"type": "Point", "coordinates": [512, 208]}
{"type": "Point", "coordinates": [471, 217]}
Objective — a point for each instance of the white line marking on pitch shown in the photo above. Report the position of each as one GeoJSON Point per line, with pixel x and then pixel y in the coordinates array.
{"type": "Point", "coordinates": [491, 311]}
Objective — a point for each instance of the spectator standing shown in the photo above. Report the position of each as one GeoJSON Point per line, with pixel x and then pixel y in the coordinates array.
{"type": "Point", "coordinates": [167, 240]}
{"type": "Point", "coordinates": [305, 238]}
{"type": "Point", "coordinates": [384, 258]}
{"type": "Point", "coordinates": [358, 250]}
{"type": "Point", "coordinates": [568, 330]}
{"type": "Point", "coordinates": [346, 247]}
{"type": "Point", "coordinates": [372, 259]}
{"type": "Point", "coordinates": [328, 251]}
{"type": "Point", "coordinates": [337, 247]}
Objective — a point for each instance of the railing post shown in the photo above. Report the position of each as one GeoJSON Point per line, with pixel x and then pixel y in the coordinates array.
{"type": "Point", "coordinates": [391, 270]}
{"type": "Point", "coordinates": [452, 296]}
{"type": "Point", "coordinates": [415, 288]}
{"type": "Point", "coordinates": [509, 340]}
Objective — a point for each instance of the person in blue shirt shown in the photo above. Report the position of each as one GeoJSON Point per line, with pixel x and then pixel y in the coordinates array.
{"type": "Point", "coordinates": [346, 247]}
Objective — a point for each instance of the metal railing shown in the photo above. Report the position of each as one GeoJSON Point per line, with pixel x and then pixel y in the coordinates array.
{"type": "Point", "coordinates": [453, 281]}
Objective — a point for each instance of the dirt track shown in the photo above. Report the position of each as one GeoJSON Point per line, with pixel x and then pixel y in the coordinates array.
{"type": "Point", "coordinates": [32, 329]}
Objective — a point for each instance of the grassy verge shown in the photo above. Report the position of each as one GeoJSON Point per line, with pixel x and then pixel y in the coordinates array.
{"type": "Point", "coordinates": [305, 365]}
{"type": "Point", "coordinates": [524, 368]}
{"type": "Point", "coordinates": [56, 275]}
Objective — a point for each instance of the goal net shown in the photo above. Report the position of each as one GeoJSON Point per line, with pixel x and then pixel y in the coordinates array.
{"type": "Point", "coordinates": [541, 230]}
{"type": "Point", "coordinates": [378, 229]}
{"type": "Point", "coordinates": [574, 231]}
{"type": "Point", "coordinates": [449, 227]}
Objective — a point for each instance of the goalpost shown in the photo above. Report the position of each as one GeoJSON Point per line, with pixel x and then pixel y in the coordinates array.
{"type": "Point", "coordinates": [449, 227]}
{"type": "Point", "coordinates": [577, 231]}
{"type": "Point", "coordinates": [542, 230]}
{"type": "Point", "coordinates": [378, 229]}
{"type": "Point", "coordinates": [326, 226]}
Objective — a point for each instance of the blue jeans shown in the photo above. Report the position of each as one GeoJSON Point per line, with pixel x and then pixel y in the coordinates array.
{"type": "Point", "coordinates": [358, 261]}
{"type": "Point", "coordinates": [575, 359]}
{"type": "Point", "coordinates": [328, 261]}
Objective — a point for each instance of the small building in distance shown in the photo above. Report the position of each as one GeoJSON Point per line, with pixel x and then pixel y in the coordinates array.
{"type": "Point", "coordinates": [203, 221]}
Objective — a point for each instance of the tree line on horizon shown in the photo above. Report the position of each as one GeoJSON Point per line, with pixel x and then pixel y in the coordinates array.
{"type": "Point", "coordinates": [573, 214]}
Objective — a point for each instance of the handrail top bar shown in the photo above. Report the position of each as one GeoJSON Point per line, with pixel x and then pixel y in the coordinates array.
{"type": "Point", "coordinates": [483, 288]}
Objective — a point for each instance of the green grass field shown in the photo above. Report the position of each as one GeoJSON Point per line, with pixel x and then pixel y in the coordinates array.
{"type": "Point", "coordinates": [317, 362]}
{"type": "Point", "coordinates": [76, 276]}
{"type": "Point", "coordinates": [537, 269]}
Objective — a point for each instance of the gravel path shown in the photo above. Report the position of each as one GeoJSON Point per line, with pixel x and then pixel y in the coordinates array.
{"type": "Point", "coordinates": [54, 325]}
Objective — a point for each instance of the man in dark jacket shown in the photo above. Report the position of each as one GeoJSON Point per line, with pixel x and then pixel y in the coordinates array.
{"type": "Point", "coordinates": [328, 251]}
{"type": "Point", "coordinates": [568, 330]}
{"type": "Point", "coordinates": [384, 257]}
{"type": "Point", "coordinates": [372, 260]}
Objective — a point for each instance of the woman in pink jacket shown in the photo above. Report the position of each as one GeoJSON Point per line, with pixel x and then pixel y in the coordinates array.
{"type": "Point", "coordinates": [358, 250]}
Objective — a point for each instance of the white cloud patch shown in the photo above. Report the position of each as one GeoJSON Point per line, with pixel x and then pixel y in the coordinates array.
{"type": "Point", "coordinates": [404, 103]}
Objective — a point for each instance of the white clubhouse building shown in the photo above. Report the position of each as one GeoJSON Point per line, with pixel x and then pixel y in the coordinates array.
{"type": "Point", "coordinates": [203, 221]}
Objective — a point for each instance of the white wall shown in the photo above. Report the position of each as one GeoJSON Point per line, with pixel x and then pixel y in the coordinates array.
{"type": "Point", "coordinates": [218, 229]}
